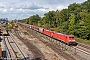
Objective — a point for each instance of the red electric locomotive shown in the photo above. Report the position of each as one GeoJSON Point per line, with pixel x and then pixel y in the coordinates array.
{"type": "Point", "coordinates": [68, 39]}
{"type": "Point", "coordinates": [47, 32]}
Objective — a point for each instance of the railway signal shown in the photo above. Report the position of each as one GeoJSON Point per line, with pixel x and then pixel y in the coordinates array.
{"type": "Point", "coordinates": [5, 20]}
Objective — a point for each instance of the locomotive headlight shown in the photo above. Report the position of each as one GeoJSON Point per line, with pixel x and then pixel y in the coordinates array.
{"type": "Point", "coordinates": [69, 40]}
{"type": "Point", "coordinates": [73, 40]}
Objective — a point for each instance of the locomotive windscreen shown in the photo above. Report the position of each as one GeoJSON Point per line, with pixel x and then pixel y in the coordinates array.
{"type": "Point", "coordinates": [71, 37]}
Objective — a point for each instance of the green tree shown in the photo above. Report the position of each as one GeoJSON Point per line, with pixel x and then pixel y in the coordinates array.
{"type": "Point", "coordinates": [49, 19]}
{"type": "Point", "coordinates": [10, 26]}
{"type": "Point", "coordinates": [71, 24]}
{"type": "Point", "coordinates": [34, 19]}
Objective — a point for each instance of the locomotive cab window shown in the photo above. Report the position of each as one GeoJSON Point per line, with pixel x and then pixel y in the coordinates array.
{"type": "Point", "coordinates": [71, 37]}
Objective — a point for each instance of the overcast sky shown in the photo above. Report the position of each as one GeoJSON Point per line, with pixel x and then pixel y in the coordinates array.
{"type": "Point", "coordinates": [20, 9]}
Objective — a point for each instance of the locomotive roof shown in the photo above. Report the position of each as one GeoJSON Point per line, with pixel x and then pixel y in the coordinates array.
{"type": "Point", "coordinates": [70, 35]}
{"type": "Point", "coordinates": [60, 33]}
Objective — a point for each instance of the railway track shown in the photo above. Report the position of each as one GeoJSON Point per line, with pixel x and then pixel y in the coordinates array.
{"type": "Point", "coordinates": [25, 56]}
{"type": "Point", "coordinates": [84, 46]}
{"type": "Point", "coordinates": [14, 49]}
{"type": "Point", "coordinates": [10, 49]}
{"type": "Point", "coordinates": [54, 48]}
{"type": "Point", "coordinates": [36, 52]}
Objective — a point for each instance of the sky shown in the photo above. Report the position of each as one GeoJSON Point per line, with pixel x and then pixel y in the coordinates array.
{"type": "Point", "coordinates": [20, 9]}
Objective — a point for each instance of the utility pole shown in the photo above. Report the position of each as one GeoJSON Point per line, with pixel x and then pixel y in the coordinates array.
{"type": "Point", "coordinates": [7, 25]}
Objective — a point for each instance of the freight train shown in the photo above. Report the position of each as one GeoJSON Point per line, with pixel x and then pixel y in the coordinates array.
{"type": "Point", "coordinates": [68, 39]}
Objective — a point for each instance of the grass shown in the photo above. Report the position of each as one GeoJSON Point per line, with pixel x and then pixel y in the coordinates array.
{"type": "Point", "coordinates": [83, 41]}
{"type": "Point", "coordinates": [68, 51]}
